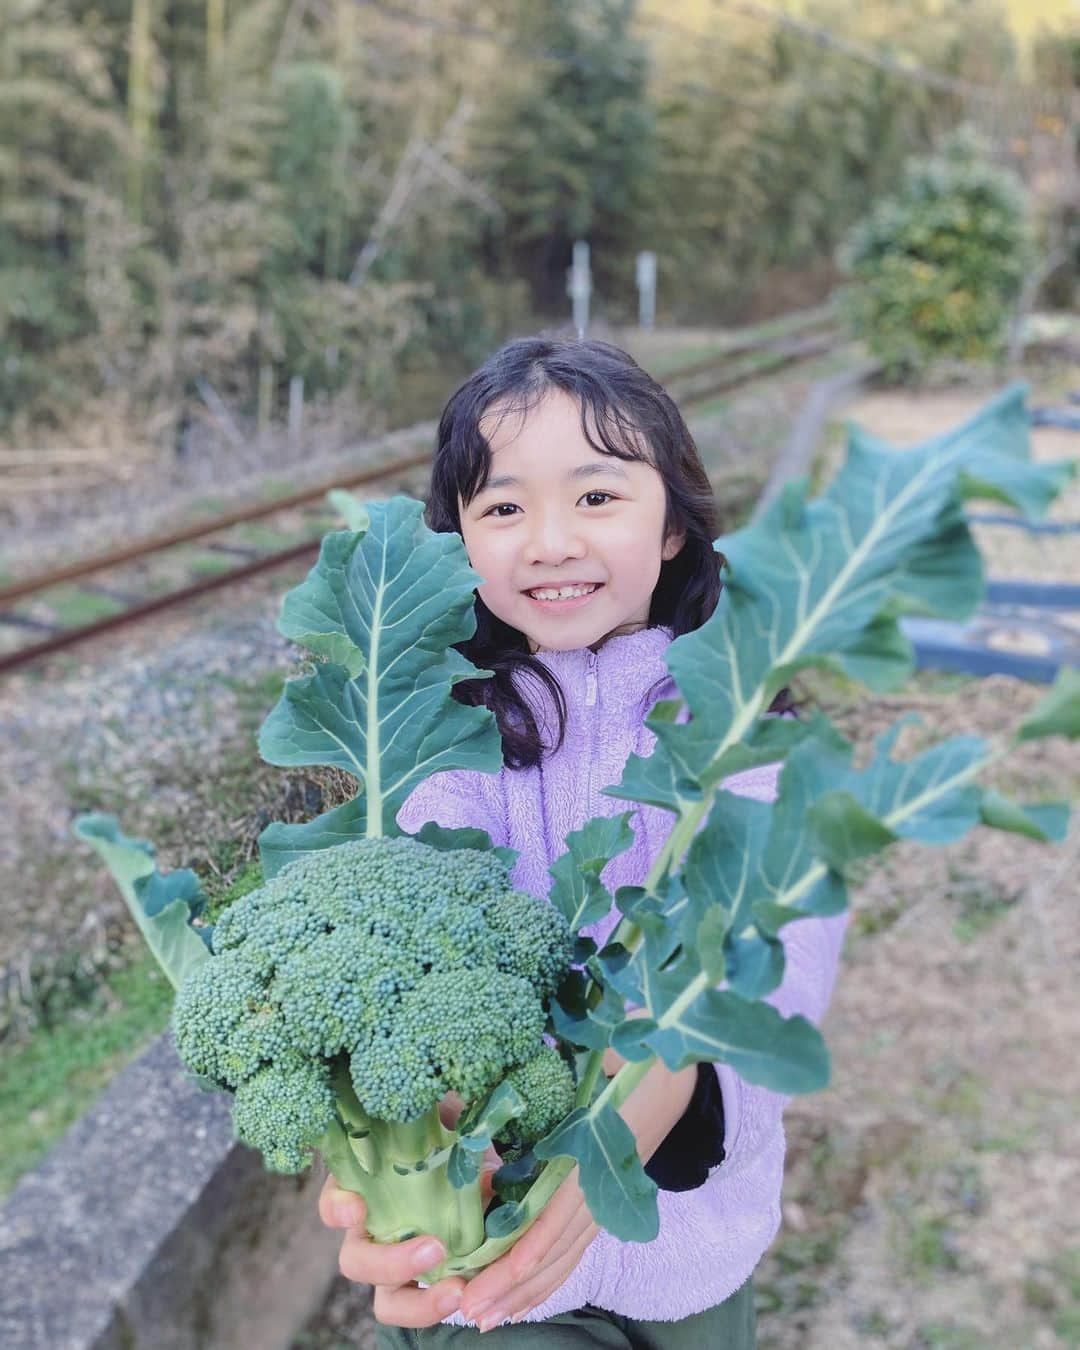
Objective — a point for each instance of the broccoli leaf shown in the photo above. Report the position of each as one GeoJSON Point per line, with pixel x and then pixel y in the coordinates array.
{"type": "Point", "coordinates": [1045, 821]}
{"type": "Point", "coordinates": [437, 836]}
{"type": "Point", "coordinates": [621, 1198]}
{"type": "Point", "coordinates": [280, 844]}
{"type": "Point", "coordinates": [578, 893]}
{"type": "Point", "coordinates": [824, 582]}
{"type": "Point", "coordinates": [1057, 713]}
{"type": "Point", "coordinates": [163, 905]}
{"type": "Point", "coordinates": [477, 1132]}
{"type": "Point", "coordinates": [385, 607]}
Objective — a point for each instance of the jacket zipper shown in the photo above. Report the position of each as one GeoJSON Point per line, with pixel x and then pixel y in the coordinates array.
{"type": "Point", "coordinates": [590, 680]}
{"type": "Point", "coordinates": [590, 702]}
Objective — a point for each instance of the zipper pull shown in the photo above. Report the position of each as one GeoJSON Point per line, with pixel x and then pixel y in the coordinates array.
{"type": "Point", "coordinates": [590, 681]}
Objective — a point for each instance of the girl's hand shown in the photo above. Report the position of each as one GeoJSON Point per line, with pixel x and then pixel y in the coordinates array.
{"type": "Point", "coordinates": [541, 1260]}
{"type": "Point", "coordinates": [393, 1267]}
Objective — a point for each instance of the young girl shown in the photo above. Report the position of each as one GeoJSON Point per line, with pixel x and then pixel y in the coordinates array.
{"type": "Point", "coordinates": [583, 504]}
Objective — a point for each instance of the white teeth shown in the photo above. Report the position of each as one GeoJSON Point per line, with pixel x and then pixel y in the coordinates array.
{"type": "Point", "coordinates": [562, 592]}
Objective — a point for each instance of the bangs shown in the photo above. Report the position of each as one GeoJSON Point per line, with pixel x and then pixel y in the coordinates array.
{"type": "Point", "coordinates": [612, 426]}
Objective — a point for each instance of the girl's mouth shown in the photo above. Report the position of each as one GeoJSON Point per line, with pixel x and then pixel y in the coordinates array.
{"type": "Point", "coordinates": [557, 599]}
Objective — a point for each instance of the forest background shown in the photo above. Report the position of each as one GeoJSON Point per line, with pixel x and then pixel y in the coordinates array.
{"type": "Point", "coordinates": [203, 199]}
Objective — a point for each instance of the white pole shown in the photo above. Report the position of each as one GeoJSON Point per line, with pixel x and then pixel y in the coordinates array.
{"type": "Point", "coordinates": [579, 286]}
{"type": "Point", "coordinates": [296, 409]}
{"type": "Point", "coordinates": [646, 284]}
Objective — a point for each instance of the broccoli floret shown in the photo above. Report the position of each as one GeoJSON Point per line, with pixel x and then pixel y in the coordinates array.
{"type": "Point", "coordinates": [335, 992]}
{"type": "Point", "coordinates": [547, 1084]}
{"type": "Point", "coordinates": [224, 1024]}
{"type": "Point", "coordinates": [269, 929]}
{"type": "Point", "coordinates": [282, 1111]}
{"type": "Point", "coordinates": [533, 941]}
{"type": "Point", "coordinates": [448, 1034]}
{"type": "Point", "coordinates": [348, 995]}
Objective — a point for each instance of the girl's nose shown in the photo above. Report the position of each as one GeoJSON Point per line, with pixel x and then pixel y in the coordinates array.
{"type": "Point", "coordinates": [554, 538]}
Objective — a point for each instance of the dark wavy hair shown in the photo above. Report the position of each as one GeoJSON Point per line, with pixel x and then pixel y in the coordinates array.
{"type": "Point", "coordinates": [635, 419]}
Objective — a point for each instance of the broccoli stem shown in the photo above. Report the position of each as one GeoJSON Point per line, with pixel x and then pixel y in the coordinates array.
{"type": "Point", "coordinates": [386, 1163]}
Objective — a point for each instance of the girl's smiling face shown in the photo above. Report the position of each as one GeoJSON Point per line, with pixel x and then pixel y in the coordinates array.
{"type": "Point", "coordinates": [557, 513]}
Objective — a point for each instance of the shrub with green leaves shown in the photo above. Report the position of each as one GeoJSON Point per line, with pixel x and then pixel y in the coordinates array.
{"type": "Point", "coordinates": [936, 268]}
{"type": "Point", "coordinates": [329, 1045]}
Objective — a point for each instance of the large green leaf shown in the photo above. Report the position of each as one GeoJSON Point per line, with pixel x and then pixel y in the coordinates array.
{"type": "Point", "coordinates": [755, 867]}
{"type": "Point", "coordinates": [826, 581]}
{"type": "Point", "coordinates": [162, 904]}
{"type": "Point", "coordinates": [280, 843]}
{"type": "Point", "coordinates": [385, 607]}
{"type": "Point", "coordinates": [786, 1054]}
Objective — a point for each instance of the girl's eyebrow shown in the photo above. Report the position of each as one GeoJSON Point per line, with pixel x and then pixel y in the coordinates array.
{"type": "Point", "coordinates": [582, 471]}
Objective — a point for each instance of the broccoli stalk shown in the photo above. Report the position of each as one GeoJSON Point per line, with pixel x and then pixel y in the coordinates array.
{"type": "Point", "coordinates": [401, 1171]}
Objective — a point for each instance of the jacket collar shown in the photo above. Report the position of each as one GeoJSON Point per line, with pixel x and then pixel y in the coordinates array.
{"type": "Point", "coordinates": [625, 668]}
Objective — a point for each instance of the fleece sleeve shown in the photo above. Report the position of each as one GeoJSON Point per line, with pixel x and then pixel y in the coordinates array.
{"type": "Point", "coordinates": [457, 799]}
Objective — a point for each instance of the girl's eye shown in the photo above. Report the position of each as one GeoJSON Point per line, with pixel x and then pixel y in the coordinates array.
{"type": "Point", "coordinates": [501, 509]}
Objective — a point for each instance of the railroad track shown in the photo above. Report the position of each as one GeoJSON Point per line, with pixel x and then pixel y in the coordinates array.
{"type": "Point", "coordinates": [44, 614]}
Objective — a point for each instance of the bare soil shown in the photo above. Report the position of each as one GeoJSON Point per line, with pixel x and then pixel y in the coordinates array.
{"type": "Point", "coordinates": [927, 1199]}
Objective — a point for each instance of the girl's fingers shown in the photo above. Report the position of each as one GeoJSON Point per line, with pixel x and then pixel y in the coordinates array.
{"type": "Point", "coordinates": [408, 1306]}
{"type": "Point", "coordinates": [339, 1208]}
{"type": "Point", "coordinates": [561, 1225]}
{"type": "Point", "coordinates": [488, 1167]}
{"type": "Point", "coordinates": [524, 1297]}
{"type": "Point", "coordinates": [524, 1264]}
{"type": "Point", "coordinates": [392, 1263]}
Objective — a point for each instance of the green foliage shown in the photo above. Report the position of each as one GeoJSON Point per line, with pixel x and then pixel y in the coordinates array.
{"type": "Point", "coordinates": [306, 157]}
{"type": "Point", "coordinates": [570, 143]}
{"type": "Point", "coordinates": [383, 606]}
{"type": "Point", "coordinates": [772, 146]}
{"type": "Point", "coordinates": [185, 190]}
{"type": "Point", "coordinates": [163, 906]}
{"type": "Point", "coordinates": [936, 267]}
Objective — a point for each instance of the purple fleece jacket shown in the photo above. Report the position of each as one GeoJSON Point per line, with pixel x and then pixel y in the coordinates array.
{"type": "Point", "coordinates": [710, 1238]}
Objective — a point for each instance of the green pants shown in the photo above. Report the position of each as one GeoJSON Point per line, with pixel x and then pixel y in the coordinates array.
{"type": "Point", "coordinates": [728, 1326]}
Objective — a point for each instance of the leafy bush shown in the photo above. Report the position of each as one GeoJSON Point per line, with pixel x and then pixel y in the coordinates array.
{"type": "Point", "coordinates": [937, 267]}
{"type": "Point", "coordinates": [698, 948]}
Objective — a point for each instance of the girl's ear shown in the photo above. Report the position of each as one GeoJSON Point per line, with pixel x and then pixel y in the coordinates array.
{"type": "Point", "coordinates": [673, 546]}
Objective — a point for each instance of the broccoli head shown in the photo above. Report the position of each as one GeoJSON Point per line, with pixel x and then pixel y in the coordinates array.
{"type": "Point", "coordinates": [412, 970]}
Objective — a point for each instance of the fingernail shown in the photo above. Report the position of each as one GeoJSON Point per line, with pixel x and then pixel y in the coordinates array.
{"type": "Point", "coordinates": [346, 1214]}
{"type": "Point", "coordinates": [429, 1254]}
{"type": "Point", "coordinates": [493, 1319]}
